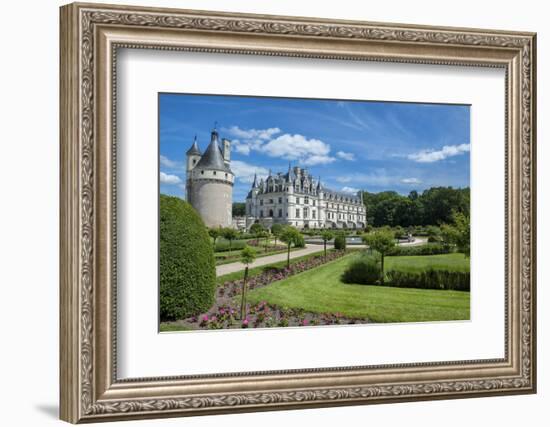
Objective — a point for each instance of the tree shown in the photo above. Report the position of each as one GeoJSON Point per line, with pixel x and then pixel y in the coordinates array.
{"type": "Point", "coordinates": [382, 241]}
{"type": "Point", "coordinates": [256, 230]}
{"type": "Point", "coordinates": [276, 230]}
{"type": "Point", "coordinates": [238, 209]}
{"type": "Point", "coordinates": [458, 233]}
{"type": "Point", "coordinates": [247, 257]}
{"type": "Point", "coordinates": [326, 235]}
{"type": "Point", "coordinates": [264, 234]}
{"type": "Point", "coordinates": [290, 236]}
{"type": "Point", "coordinates": [214, 234]}
{"type": "Point", "coordinates": [230, 234]}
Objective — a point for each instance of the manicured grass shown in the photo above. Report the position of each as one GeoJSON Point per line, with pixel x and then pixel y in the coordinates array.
{"type": "Point", "coordinates": [223, 257]}
{"type": "Point", "coordinates": [258, 270]}
{"type": "Point", "coordinates": [173, 327]}
{"type": "Point", "coordinates": [453, 262]}
{"type": "Point", "coordinates": [320, 290]}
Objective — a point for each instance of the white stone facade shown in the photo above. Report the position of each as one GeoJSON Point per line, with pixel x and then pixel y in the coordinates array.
{"type": "Point", "coordinates": [296, 199]}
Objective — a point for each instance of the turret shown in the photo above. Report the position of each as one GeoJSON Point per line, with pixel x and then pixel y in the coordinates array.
{"type": "Point", "coordinates": [193, 155]}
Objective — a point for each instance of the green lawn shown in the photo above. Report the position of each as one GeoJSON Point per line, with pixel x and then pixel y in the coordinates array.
{"type": "Point", "coordinates": [172, 327]}
{"type": "Point", "coordinates": [320, 290]}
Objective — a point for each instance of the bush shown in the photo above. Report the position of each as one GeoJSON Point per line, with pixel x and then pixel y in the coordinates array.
{"type": "Point", "coordinates": [223, 245]}
{"type": "Point", "coordinates": [365, 270]}
{"type": "Point", "coordinates": [300, 242]}
{"type": "Point", "coordinates": [340, 242]}
{"type": "Point", "coordinates": [428, 249]}
{"type": "Point", "coordinates": [187, 267]}
{"type": "Point", "coordinates": [430, 279]}
{"type": "Point", "coordinates": [434, 239]}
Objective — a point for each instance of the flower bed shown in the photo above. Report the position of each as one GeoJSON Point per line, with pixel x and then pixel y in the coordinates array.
{"type": "Point", "coordinates": [224, 313]}
{"type": "Point", "coordinates": [264, 315]}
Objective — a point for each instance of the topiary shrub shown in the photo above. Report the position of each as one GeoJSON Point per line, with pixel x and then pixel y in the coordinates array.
{"type": "Point", "coordinates": [300, 242]}
{"type": "Point", "coordinates": [428, 249]}
{"type": "Point", "coordinates": [340, 242]}
{"type": "Point", "coordinates": [364, 270]}
{"type": "Point", "coordinates": [187, 267]}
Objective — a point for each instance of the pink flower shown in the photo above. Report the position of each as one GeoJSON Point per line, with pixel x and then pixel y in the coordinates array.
{"type": "Point", "coordinates": [245, 323]}
{"type": "Point", "coordinates": [205, 318]}
{"type": "Point", "coordinates": [304, 322]}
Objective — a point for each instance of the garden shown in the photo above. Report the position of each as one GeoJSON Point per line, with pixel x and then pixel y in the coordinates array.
{"type": "Point", "coordinates": [379, 281]}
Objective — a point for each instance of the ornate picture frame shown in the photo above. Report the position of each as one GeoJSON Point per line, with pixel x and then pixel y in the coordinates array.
{"type": "Point", "coordinates": [90, 37]}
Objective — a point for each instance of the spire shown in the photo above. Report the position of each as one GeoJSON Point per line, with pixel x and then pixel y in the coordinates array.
{"type": "Point", "coordinates": [319, 183]}
{"type": "Point", "coordinates": [255, 183]}
{"type": "Point", "coordinates": [194, 150]}
{"type": "Point", "coordinates": [213, 158]}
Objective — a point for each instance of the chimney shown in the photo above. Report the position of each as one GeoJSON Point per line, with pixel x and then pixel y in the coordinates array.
{"type": "Point", "coordinates": [226, 151]}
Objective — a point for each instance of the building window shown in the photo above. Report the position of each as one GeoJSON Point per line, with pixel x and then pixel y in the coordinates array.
{"type": "Point", "coordinates": [271, 212]}
{"type": "Point", "coordinates": [297, 213]}
{"type": "Point", "coordinates": [261, 214]}
{"type": "Point", "coordinates": [261, 202]}
{"type": "Point", "coordinates": [202, 172]}
{"type": "Point", "coordinates": [280, 213]}
{"type": "Point", "coordinates": [194, 161]}
{"type": "Point", "coordinates": [226, 175]}
{"type": "Point", "coordinates": [313, 214]}
{"type": "Point", "coordinates": [214, 172]}
{"type": "Point", "coordinates": [297, 200]}
{"type": "Point", "coordinates": [306, 212]}
{"type": "Point", "coordinates": [280, 200]}
{"type": "Point", "coordinates": [306, 200]}
{"type": "Point", "coordinates": [271, 201]}
{"type": "Point", "coordinates": [314, 203]}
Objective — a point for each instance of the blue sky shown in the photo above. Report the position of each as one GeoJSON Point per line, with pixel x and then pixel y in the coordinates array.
{"type": "Point", "coordinates": [351, 145]}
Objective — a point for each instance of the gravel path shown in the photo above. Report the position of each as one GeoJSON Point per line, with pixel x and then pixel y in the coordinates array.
{"type": "Point", "coordinates": [224, 269]}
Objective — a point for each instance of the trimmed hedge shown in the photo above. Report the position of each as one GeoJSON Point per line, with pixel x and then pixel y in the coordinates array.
{"type": "Point", "coordinates": [300, 242]}
{"type": "Point", "coordinates": [428, 249]}
{"type": "Point", "coordinates": [340, 242]}
{"type": "Point", "coordinates": [187, 267]}
{"type": "Point", "coordinates": [430, 279]}
{"type": "Point", "coordinates": [223, 245]}
{"type": "Point", "coordinates": [365, 270]}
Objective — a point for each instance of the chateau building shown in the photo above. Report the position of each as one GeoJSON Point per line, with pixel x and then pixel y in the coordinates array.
{"type": "Point", "coordinates": [297, 199]}
{"type": "Point", "coordinates": [209, 183]}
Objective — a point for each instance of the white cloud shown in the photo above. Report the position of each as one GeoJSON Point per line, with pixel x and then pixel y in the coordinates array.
{"type": "Point", "coordinates": [165, 161]}
{"type": "Point", "coordinates": [430, 156]}
{"type": "Point", "coordinates": [240, 147]}
{"type": "Point", "coordinates": [244, 172]}
{"type": "Point", "coordinates": [345, 156]}
{"type": "Point", "coordinates": [411, 181]}
{"type": "Point", "coordinates": [350, 190]}
{"type": "Point", "coordinates": [169, 179]}
{"type": "Point", "coordinates": [297, 147]}
{"type": "Point", "coordinates": [343, 179]}
{"type": "Point", "coordinates": [247, 134]}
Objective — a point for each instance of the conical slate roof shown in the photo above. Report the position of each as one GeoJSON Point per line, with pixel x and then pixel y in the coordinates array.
{"type": "Point", "coordinates": [194, 148]}
{"type": "Point", "coordinates": [213, 157]}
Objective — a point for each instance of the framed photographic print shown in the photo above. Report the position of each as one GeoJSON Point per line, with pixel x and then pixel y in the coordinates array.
{"type": "Point", "coordinates": [265, 212]}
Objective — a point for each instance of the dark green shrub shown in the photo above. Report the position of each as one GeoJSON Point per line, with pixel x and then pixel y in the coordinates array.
{"type": "Point", "coordinates": [223, 245]}
{"type": "Point", "coordinates": [340, 242]}
{"type": "Point", "coordinates": [300, 242]}
{"type": "Point", "coordinates": [187, 267]}
{"type": "Point", "coordinates": [428, 249]}
{"type": "Point", "coordinates": [365, 270]}
{"type": "Point", "coordinates": [429, 279]}
{"type": "Point", "coordinates": [434, 239]}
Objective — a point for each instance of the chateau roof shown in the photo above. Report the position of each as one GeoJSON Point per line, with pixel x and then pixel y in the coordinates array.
{"type": "Point", "coordinates": [213, 157]}
{"type": "Point", "coordinates": [194, 150]}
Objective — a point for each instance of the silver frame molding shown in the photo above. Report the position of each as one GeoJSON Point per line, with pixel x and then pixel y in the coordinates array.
{"type": "Point", "coordinates": [90, 37]}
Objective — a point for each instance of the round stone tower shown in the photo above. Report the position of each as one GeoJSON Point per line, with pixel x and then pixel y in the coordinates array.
{"type": "Point", "coordinates": [209, 185]}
